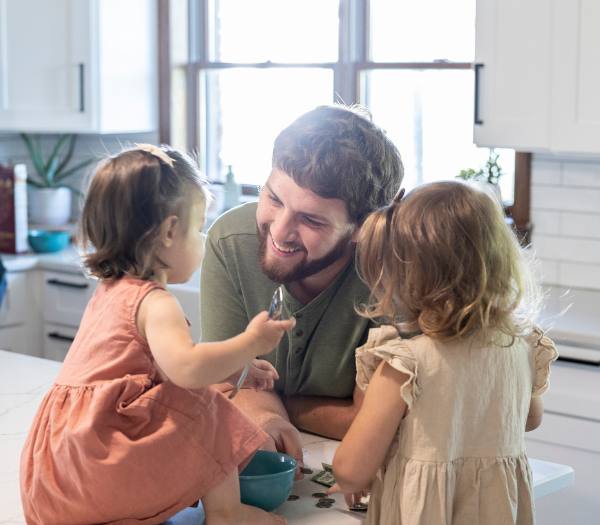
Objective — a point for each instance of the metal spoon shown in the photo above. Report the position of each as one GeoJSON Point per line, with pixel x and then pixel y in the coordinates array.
{"type": "Point", "coordinates": [275, 311]}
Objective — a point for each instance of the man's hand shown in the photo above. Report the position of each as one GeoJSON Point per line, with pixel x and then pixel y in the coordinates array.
{"type": "Point", "coordinates": [261, 376]}
{"type": "Point", "coordinates": [284, 438]}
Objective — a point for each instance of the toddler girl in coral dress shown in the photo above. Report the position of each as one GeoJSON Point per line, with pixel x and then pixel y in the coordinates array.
{"type": "Point", "coordinates": [132, 431]}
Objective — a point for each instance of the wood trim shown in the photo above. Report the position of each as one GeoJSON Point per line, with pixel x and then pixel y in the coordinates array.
{"type": "Point", "coordinates": [164, 73]}
{"type": "Point", "coordinates": [520, 211]}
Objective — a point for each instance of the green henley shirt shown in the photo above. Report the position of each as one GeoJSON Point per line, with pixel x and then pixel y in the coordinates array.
{"type": "Point", "coordinates": [317, 357]}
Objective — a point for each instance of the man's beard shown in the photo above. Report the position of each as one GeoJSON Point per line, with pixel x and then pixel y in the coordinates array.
{"type": "Point", "coordinates": [302, 269]}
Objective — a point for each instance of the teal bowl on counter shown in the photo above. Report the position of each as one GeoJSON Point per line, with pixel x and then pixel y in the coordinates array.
{"type": "Point", "coordinates": [47, 241]}
{"type": "Point", "coordinates": [267, 480]}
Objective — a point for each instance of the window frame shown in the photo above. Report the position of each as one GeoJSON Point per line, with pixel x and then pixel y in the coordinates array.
{"type": "Point", "coordinates": [353, 59]}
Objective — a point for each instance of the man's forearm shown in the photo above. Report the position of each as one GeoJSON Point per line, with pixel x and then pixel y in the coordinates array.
{"type": "Point", "coordinates": [325, 416]}
{"type": "Point", "coordinates": [258, 405]}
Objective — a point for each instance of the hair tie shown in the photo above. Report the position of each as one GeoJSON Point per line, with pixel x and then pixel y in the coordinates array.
{"type": "Point", "coordinates": [159, 153]}
{"type": "Point", "coordinates": [389, 214]}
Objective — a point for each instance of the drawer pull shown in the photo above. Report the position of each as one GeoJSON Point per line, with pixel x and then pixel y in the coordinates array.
{"type": "Point", "coordinates": [67, 284]}
{"type": "Point", "coordinates": [579, 361]}
{"type": "Point", "coordinates": [60, 337]}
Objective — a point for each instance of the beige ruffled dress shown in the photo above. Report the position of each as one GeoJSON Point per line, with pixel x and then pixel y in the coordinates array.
{"type": "Point", "coordinates": [459, 456]}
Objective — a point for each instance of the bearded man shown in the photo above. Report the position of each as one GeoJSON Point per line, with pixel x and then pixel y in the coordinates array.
{"type": "Point", "coordinates": [331, 168]}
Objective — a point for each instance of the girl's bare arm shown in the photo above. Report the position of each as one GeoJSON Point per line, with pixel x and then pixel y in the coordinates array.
{"type": "Point", "coordinates": [536, 411]}
{"type": "Point", "coordinates": [363, 449]}
{"type": "Point", "coordinates": [162, 322]}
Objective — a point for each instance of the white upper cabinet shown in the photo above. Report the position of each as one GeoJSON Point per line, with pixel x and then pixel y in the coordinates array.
{"type": "Point", "coordinates": [85, 66]}
{"type": "Point", "coordinates": [539, 75]}
{"type": "Point", "coordinates": [512, 58]}
{"type": "Point", "coordinates": [576, 76]}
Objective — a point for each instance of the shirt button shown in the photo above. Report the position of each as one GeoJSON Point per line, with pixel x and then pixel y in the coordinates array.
{"type": "Point", "coordinates": [299, 349]}
{"type": "Point", "coordinates": [299, 333]}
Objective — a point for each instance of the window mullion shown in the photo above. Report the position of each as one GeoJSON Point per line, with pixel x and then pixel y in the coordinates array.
{"type": "Point", "coordinates": [353, 34]}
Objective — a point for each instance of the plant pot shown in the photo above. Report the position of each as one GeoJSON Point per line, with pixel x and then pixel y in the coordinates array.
{"type": "Point", "coordinates": [50, 206]}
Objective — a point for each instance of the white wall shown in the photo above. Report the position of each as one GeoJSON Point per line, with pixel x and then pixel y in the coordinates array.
{"type": "Point", "coordinates": [565, 202]}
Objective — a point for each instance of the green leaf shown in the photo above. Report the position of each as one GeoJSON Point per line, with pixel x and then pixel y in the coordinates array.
{"type": "Point", "coordinates": [53, 158]}
{"type": "Point", "coordinates": [71, 171]}
{"type": "Point", "coordinates": [35, 183]}
{"type": "Point", "coordinates": [35, 155]}
{"type": "Point", "coordinates": [51, 170]}
{"type": "Point", "coordinates": [67, 158]}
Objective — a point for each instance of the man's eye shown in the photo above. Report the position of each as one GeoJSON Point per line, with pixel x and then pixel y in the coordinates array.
{"type": "Point", "coordinates": [312, 222]}
{"type": "Point", "coordinates": [275, 200]}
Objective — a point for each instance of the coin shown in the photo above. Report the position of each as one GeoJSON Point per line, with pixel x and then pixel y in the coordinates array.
{"type": "Point", "coordinates": [359, 507]}
{"type": "Point", "coordinates": [306, 470]}
{"type": "Point", "coordinates": [319, 495]}
{"type": "Point", "coordinates": [327, 500]}
{"type": "Point", "coordinates": [293, 497]}
{"type": "Point", "coordinates": [323, 505]}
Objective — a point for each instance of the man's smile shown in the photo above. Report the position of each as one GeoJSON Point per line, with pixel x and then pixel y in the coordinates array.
{"type": "Point", "coordinates": [282, 250]}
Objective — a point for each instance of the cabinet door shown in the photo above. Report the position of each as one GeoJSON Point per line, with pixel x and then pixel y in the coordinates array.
{"type": "Point", "coordinates": [44, 65]}
{"type": "Point", "coordinates": [576, 76]}
{"type": "Point", "coordinates": [57, 341]}
{"type": "Point", "coordinates": [17, 300]}
{"type": "Point", "coordinates": [66, 296]}
{"type": "Point", "coordinates": [513, 53]}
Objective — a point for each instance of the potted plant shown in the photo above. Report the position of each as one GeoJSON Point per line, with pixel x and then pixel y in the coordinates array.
{"type": "Point", "coordinates": [490, 173]}
{"type": "Point", "coordinates": [50, 198]}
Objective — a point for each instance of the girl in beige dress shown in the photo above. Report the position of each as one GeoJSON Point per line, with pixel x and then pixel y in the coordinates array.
{"type": "Point", "coordinates": [439, 439]}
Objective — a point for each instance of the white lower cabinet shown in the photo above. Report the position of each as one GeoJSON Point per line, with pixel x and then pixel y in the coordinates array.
{"type": "Point", "coordinates": [13, 338]}
{"type": "Point", "coordinates": [578, 504]}
{"type": "Point", "coordinates": [42, 310]}
{"type": "Point", "coordinates": [57, 340]}
{"type": "Point", "coordinates": [20, 315]}
{"type": "Point", "coordinates": [570, 434]}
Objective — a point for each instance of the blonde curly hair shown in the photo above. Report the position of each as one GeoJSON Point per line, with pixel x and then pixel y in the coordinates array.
{"type": "Point", "coordinates": [444, 262]}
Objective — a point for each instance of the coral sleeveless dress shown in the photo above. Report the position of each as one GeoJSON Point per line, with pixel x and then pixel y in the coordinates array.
{"type": "Point", "coordinates": [112, 442]}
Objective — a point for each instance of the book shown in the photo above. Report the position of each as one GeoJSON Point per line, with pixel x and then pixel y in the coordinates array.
{"type": "Point", "coordinates": [13, 208]}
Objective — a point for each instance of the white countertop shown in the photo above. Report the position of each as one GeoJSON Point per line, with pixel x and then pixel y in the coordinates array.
{"type": "Point", "coordinates": [24, 380]}
{"type": "Point", "coordinates": [68, 261]}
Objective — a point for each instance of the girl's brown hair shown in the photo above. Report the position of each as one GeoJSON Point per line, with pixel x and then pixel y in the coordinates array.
{"type": "Point", "coordinates": [129, 196]}
{"type": "Point", "coordinates": [443, 261]}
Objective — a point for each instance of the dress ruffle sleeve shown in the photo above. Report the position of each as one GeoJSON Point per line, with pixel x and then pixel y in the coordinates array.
{"type": "Point", "coordinates": [384, 344]}
{"type": "Point", "coordinates": [544, 352]}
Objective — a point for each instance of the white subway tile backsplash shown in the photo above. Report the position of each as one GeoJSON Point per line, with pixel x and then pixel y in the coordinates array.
{"type": "Point", "coordinates": [567, 249]}
{"type": "Point", "coordinates": [547, 271]}
{"type": "Point", "coordinates": [579, 224]}
{"type": "Point", "coordinates": [581, 174]}
{"type": "Point", "coordinates": [579, 275]}
{"type": "Point", "coordinates": [545, 172]}
{"type": "Point", "coordinates": [546, 222]}
{"type": "Point", "coordinates": [565, 198]}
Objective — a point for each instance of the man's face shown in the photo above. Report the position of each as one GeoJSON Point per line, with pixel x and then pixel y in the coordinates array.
{"type": "Point", "coordinates": [300, 232]}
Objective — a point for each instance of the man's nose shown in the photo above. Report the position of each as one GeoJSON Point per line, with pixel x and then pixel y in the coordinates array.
{"type": "Point", "coordinates": [283, 228]}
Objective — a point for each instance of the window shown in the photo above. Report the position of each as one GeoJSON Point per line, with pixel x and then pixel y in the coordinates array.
{"type": "Point", "coordinates": [240, 71]}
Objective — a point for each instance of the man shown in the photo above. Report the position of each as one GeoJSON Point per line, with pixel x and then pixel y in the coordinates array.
{"type": "Point", "coordinates": [331, 168]}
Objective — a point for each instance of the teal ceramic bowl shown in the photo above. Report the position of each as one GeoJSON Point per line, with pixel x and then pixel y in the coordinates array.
{"type": "Point", "coordinates": [46, 241]}
{"type": "Point", "coordinates": [267, 480]}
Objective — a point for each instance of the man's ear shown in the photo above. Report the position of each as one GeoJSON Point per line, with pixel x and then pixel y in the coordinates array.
{"type": "Point", "coordinates": [355, 233]}
{"type": "Point", "coordinates": [168, 230]}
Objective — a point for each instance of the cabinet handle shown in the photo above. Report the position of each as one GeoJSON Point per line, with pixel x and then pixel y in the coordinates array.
{"type": "Point", "coordinates": [58, 282]}
{"type": "Point", "coordinates": [81, 66]}
{"type": "Point", "coordinates": [476, 118]}
{"type": "Point", "coordinates": [60, 337]}
{"type": "Point", "coordinates": [579, 361]}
